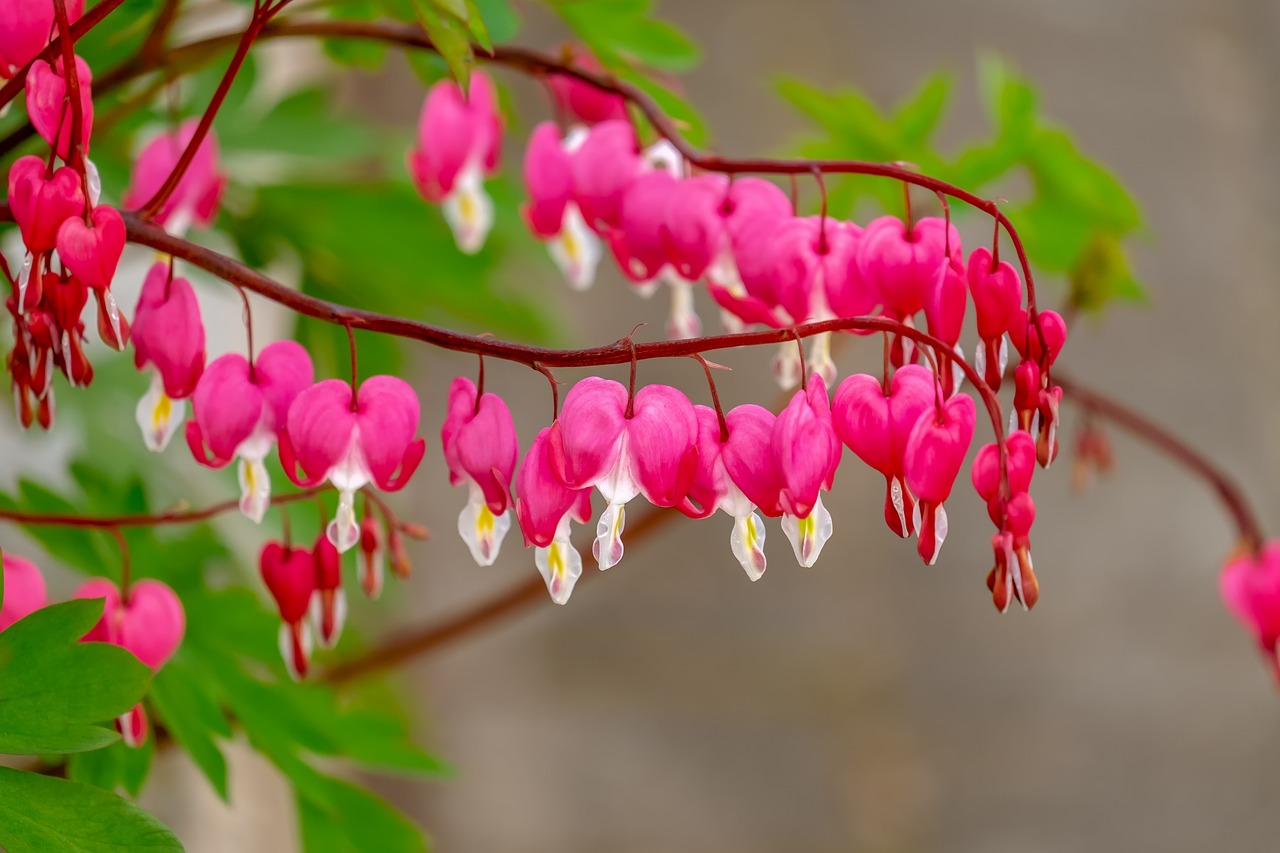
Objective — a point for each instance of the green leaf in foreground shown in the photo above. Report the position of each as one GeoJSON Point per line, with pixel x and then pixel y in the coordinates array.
{"type": "Point", "coordinates": [55, 689]}
{"type": "Point", "coordinates": [42, 814]}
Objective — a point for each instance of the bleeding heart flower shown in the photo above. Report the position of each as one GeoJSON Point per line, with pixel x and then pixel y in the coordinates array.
{"type": "Point", "coordinates": [1250, 586]}
{"type": "Point", "coordinates": [91, 251]}
{"type": "Point", "coordinates": [604, 167]}
{"type": "Point", "coordinates": [24, 591]}
{"type": "Point", "coordinates": [239, 408]}
{"type": "Point", "coordinates": [373, 554]}
{"type": "Point", "coordinates": [290, 575]}
{"type": "Point", "coordinates": [1021, 462]}
{"type": "Point", "coordinates": [352, 440]}
{"type": "Point", "coordinates": [1027, 342]}
{"type": "Point", "coordinates": [195, 199]}
{"type": "Point", "coordinates": [459, 144]}
{"type": "Point", "coordinates": [551, 212]}
{"type": "Point", "coordinates": [806, 453]}
{"type": "Point", "coordinates": [41, 204]}
{"type": "Point", "coordinates": [580, 99]}
{"type": "Point", "coordinates": [149, 622]}
{"type": "Point", "coordinates": [25, 27]}
{"type": "Point", "coordinates": [903, 265]}
{"type": "Point", "coordinates": [624, 448]}
{"type": "Point", "coordinates": [329, 604]}
{"type": "Point", "coordinates": [544, 508]}
{"type": "Point", "coordinates": [933, 455]}
{"type": "Point", "coordinates": [944, 314]}
{"type": "Point", "coordinates": [1013, 578]}
{"type": "Point", "coordinates": [481, 448]}
{"type": "Point", "coordinates": [168, 338]}
{"type": "Point", "coordinates": [713, 489]}
{"type": "Point", "coordinates": [875, 422]}
{"type": "Point", "coordinates": [48, 108]}
{"type": "Point", "coordinates": [997, 293]}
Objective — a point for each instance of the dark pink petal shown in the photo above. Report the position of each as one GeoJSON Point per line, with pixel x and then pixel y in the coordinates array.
{"type": "Point", "coordinates": [153, 622]}
{"type": "Point", "coordinates": [637, 242]}
{"type": "Point", "coordinates": [748, 458]}
{"type": "Point", "coordinates": [581, 100]}
{"type": "Point", "coordinates": [40, 206]}
{"type": "Point", "coordinates": [91, 252]}
{"type": "Point", "coordinates": [388, 423]}
{"type": "Point", "coordinates": [661, 444]}
{"type": "Point", "coordinates": [487, 449]}
{"type": "Point", "coordinates": [710, 481]}
{"type": "Point", "coordinates": [541, 499]}
{"type": "Point", "coordinates": [24, 590]}
{"type": "Point", "coordinates": [226, 406]}
{"type": "Point", "coordinates": [585, 440]}
{"type": "Point", "coordinates": [47, 105]}
{"type": "Point", "coordinates": [997, 293]}
{"type": "Point", "coordinates": [283, 371]}
{"type": "Point", "coordinates": [290, 576]}
{"type": "Point", "coordinates": [201, 185]}
{"type": "Point", "coordinates": [694, 223]}
{"type": "Point", "coordinates": [936, 448]}
{"type": "Point", "coordinates": [168, 332]}
{"type": "Point", "coordinates": [603, 169]}
{"type": "Point", "coordinates": [1027, 342]}
{"type": "Point", "coordinates": [25, 27]}
{"type": "Point", "coordinates": [805, 449]}
{"type": "Point", "coordinates": [902, 266]}
{"type": "Point", "coordinates": [320, 427]}
{"type": "Point", "coordinates": [548, 178]}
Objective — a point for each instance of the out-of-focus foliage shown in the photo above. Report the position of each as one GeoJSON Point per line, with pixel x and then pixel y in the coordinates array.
{"type": "Point", "coordinates": [1077, 216]}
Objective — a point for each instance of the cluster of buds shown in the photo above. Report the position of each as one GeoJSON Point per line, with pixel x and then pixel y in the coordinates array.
{"type": "Point", "coordinates": [146, 618]}
{"type": "Point", "coordinates": [73, 243]}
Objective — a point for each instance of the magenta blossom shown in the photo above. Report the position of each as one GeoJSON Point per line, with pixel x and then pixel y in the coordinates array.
{"type": "Point", "coordinates": [713, 489]}
{"type": "Point", "coordinates": [1250, 586]}
{"type": "Point", "coordinates": [290, 576]}
{"type": "Point", "coordinates": [195, 199]}
{"type": "Point", "coordinates": [551, 212]}
{"type": "Point", "coordinates": [91, 250]}
{"type": "Point", "coordinates": [25, 27]}
{"type": "Point", "coordinates": [1021, 463]}
{"type": "Point", "coordinates": [459, 144]}
{"type": "Point", "coordinates": [481, 448]}
{"type": "Point", "coordinates": [41, 202]}
{"type": "Point", "coordinates": [624, 447]}
{"type": "Point", "coordinates": [24, 591]}
{"type": "Point", "coordinates": [933, 455]}
{"type": "Point", "coordinates": [806, 453]}
{"type": "Point", "coordinates": [581, 100]}
{"type": "Point", "coordinates": [604, 167]}
{"type": "Point", "coordinates": [149, 622]}
{"type": "Point", "coordinates": [874, 422]}
{"type": "Point", "coordinates": [997, 293]}
{"type": "Point", "coordinates": [352, 440]}
{"type": "Point", "coordinates": [373, 554]}
{"type": "Point", "coordinates": [544, 508]}
{"type": "Point", "coordinates": [168, 338]}
{"type": "Point", "coordinates": [48, 107]}
{"type": "Point", "coordinates": [329, 604]}
{"type": "Point", "coordinates": [239, 408]}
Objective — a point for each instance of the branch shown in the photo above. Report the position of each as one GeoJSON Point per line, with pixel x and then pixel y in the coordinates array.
{"type": "Point", "coordinates": [1227, 490]}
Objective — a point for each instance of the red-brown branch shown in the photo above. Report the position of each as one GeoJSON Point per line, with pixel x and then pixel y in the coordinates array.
{"type": "Point", "coordinates": [173, 516]}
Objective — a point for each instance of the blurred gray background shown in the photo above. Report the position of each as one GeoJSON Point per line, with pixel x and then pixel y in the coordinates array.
{"type": "Point", "coordinates": [871, 703]}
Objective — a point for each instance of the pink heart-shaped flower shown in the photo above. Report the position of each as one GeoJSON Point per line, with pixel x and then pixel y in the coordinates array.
{"type": "Point", "coordinates": [150, 624]}
{"type": "Point", "coordinates": [40, 205]}
{"type": "Point", "coordinates": [92, 251]}
{"type": "Point", "coordinates": [47, 107]}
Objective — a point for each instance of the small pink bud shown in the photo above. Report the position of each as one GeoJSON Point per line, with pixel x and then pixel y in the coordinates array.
{"type": "Point", "coordinates": [24, 591]}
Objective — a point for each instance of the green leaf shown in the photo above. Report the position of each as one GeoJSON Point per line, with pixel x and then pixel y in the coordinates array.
{"type": "Point", "coordinates": [1067, 177]}
{"type": "Point", "coordinates": [53, 688]}
{"type": "Point", "coordinates": [622, 32]}
{"type": "Point", "coordinates": [477, 26]}
{"type": "Point", "coordinates": [349, 819]}
{"type": "Point", "coordinates": [1102, 275]}
{"type": "Point", "coordinates": [42, 814]}
{"type": "Point", "coordinates": [918, 118]}
{"type": "Point", "coordinates": [451, 37]}
{"type": "Point", "coordinates": [192, 715]}
{"type": "Point", "coordinates": [118, 766]}
{"type": "Point", "coordinates": [500, 18]}
{"type": "Point", "coordinates": [685, 117]}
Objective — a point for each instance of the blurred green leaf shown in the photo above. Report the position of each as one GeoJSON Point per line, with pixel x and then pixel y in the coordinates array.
{"type": "Point", "coordinates": [918, 118]}
{"type": "Point", "coordinates": [621, 32]}
{"type": "Point", "coordinates": [500, 18]}
{"type": "Point", "coordinates": [55, 689]}
{"type": "Point", "coordinates": [1067, 177]}
{"type": "Point", "coordinates": [117, 767]}
{"type": "Point", "coordinates": [450, 35]}
{"type": "Point", "coordinates": [191, 713]}
{"type": "Point", "coordinates": [349, 819]}
{"type": "Point", "coordinates": [41, 814]}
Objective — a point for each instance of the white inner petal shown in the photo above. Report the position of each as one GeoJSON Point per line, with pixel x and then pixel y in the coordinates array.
{"type": "Point", "coordinates": [158, 415]}
{"type": "Point", "coordinates": [468, 209]}
{"type": "Point", "coordinates": [255, 489]}
{"type": "Point", "coordinates": [607, 548]}
{"type": "Point", "coordinates": [808, 535]}
{"type": "Point", "coordinates": [576, 250]}
{"type": "Point", "coordinates": [481, 529]}
{"type": "Point", "coordinates": [747, 542]}
{"type": "Point", "coordinates": [560, 564]}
